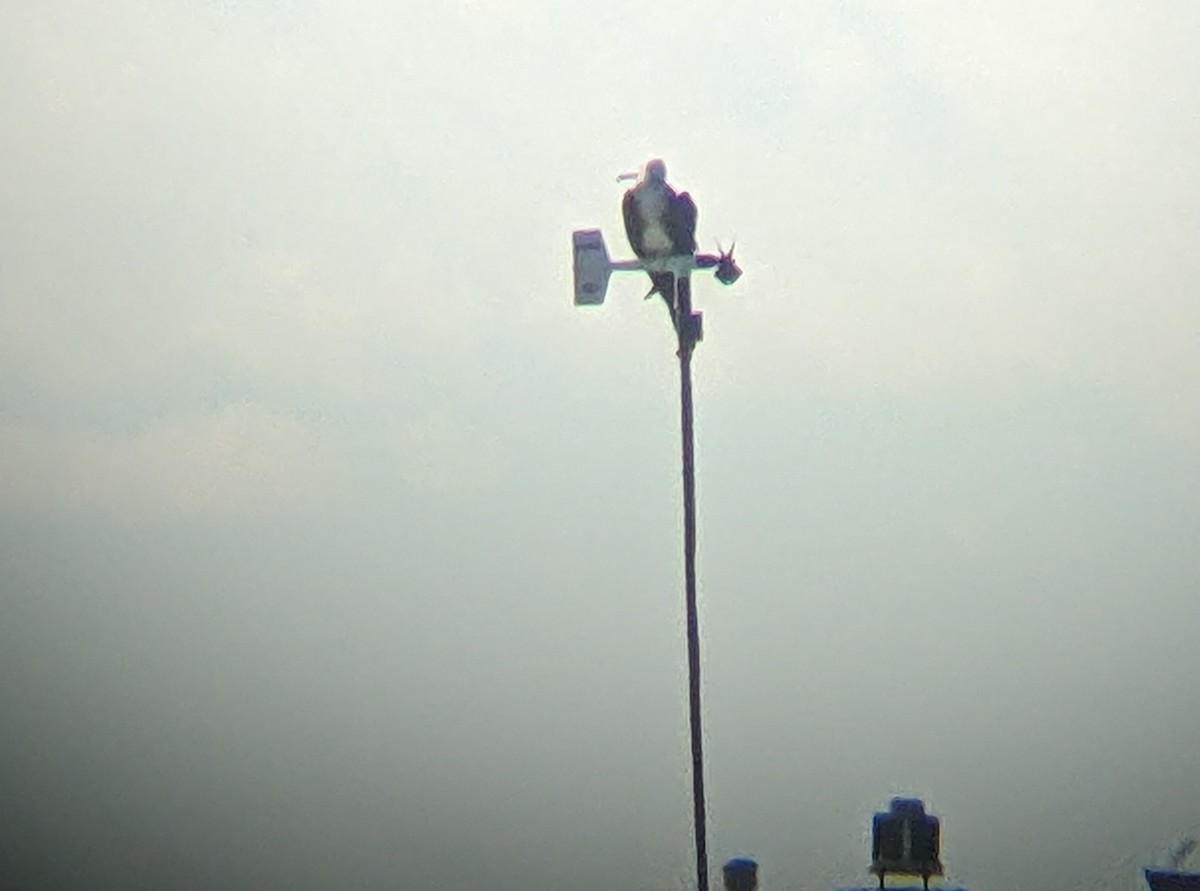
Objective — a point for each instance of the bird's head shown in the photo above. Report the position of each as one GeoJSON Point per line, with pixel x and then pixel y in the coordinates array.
{"type": "Point", "coordinates": [655, 171]}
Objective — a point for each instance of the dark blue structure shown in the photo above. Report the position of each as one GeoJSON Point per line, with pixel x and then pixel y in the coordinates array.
{"type": "Point", "coordinates": [740, 874]}
{"type": "Point", "coordinates": [906, 841]}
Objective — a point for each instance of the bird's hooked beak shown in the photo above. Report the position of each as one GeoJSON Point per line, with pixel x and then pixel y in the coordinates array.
{"type": "Point", "coordinates": [626, 177]}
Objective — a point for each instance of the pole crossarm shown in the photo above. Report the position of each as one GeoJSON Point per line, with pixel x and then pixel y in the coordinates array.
{"type": "Point", "coordinates": [593, 266]}
{"type": "Point", "coordinates": [677, 265]}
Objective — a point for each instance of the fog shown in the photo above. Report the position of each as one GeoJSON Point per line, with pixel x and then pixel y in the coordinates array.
{"type": "Point", "coordinates": [339, 550]}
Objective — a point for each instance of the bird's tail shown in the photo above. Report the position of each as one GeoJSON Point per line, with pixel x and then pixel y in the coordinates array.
{"type": "Point", "coordinates": [662, 283]}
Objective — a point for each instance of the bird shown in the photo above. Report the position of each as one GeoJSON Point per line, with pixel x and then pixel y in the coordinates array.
{"type": "Point", "coordinates": [660, 224]}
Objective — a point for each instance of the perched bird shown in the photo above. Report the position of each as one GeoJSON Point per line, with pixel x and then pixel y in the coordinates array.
{"type": "Point", "coordinates": [660, 224]}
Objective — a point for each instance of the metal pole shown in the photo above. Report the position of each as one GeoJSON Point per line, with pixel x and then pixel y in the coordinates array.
{"type": "Point", "coordinates": [687, 342]}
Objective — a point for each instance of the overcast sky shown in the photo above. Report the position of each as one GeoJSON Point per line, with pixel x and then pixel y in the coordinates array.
{"type": "Point", "coordinates": [339, 550]}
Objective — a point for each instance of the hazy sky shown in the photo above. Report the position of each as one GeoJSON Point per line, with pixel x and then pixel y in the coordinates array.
{"type": "Point", "coordinates": [339, 550]}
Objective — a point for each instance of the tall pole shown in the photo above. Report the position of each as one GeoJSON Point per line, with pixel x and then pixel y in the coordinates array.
{"type": "Point", "coordinates": [687, 330]}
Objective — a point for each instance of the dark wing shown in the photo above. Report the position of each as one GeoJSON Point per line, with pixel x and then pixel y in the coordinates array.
{"type": "Point", "coordinates": [633, 224]}
{"type": "Point", "coordinates": [682, 224]}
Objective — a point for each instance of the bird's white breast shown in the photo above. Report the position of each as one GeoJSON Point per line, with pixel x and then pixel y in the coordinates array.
{"type": "Point", "coordinates": [652, 208]}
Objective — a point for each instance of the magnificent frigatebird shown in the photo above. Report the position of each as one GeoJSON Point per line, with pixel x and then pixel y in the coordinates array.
{"type": "Point", "coordinates": [660, 224]}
